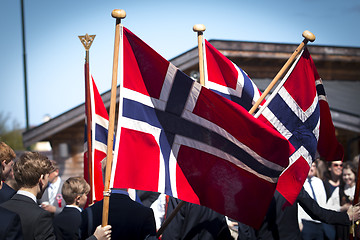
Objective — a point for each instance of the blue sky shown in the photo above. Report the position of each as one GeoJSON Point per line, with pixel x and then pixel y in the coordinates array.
{"type": "Point", "coordinates": [55, 55]}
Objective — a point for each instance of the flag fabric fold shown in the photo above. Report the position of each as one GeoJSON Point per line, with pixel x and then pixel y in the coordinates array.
{"type": "Point", "coordinates": [176, 137]}
{"type": "Point", "coordinates": [227, 79]}
{"type": "Point", "coordinates": [328, 146]}
{"type": "Point", "coordinates": [99, 133]}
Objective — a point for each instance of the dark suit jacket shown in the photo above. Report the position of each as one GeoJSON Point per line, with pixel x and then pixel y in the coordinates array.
{"type": "Point", "coordinates": [195, 222]}
{"type": "Point", "coordinates": [6, 193]}
{"type": "Point", "coordinates": [128, 219]}
{"type": "Point", "coordinates": [10, 226]}
{"type": "Point", "coordinates": [36, 222]}
{"type": "Point", "coordinates": [67, 224]}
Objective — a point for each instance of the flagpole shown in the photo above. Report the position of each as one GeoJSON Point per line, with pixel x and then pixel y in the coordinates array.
{"type": "Point", "coordinates": [169, 219]}
{"type": "Point", "coordinates": [308, 37]}
{"type": "Point", "coordinates": [278, 87]}
{"type": "Point", "coordinates": [118, 14]}
{"type": "Point", "coordinates": [200, 28]}
{"type": "Point", "coordinates": [87, 40]}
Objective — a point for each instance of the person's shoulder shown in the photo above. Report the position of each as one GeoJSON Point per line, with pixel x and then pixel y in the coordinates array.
{"type": "Point", "coordinates": [67, 211]}
{"type": "Point", "coordinates": [131, 204]}
{"type": "Point", "coordinates": [317, 180]}
{"type": "Point", "coordinates": [143, 210]}
{"type": "Point", "coordinates": [325, 181]}
{"type": "Point", "coordinates": [96, 205]}
{"type": "Point", "coordinates": [6, 194]}
{"type": "Point", "coordinates": [16, 201]}
{"type": "Point", "coordinates": [95, 208]}
{"type": "Point", "coordinates": [6, 213]}
{"type": "Point", "coordinates": [138, 205]}
{"type": "Point", "coordinates": [70, 211]}
{"type": "Point", "coordinates": [68, 214]}
{"type": "Point", "coordinates": [7, 188]}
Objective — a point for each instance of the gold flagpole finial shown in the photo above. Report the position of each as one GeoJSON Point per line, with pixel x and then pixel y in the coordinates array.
{"type": "Point", "coordinates": [118, 13]}
{"type": "Point", "coordinates": [87, 40]}
{"type": "Point", "coordinates": [308, 35]}
{"type": "Point", "coordinates": [199, 28]}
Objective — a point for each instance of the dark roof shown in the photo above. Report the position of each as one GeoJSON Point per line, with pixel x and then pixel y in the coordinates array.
{"type": "Point", "coordinates": [333, 63]}
{"type": "Point", "coordinates": [59, 123]}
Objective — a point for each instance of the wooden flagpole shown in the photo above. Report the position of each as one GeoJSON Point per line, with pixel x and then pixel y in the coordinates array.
{"type": "Point", "coordinates": [87, 40]}
{"type": "Point", "coordinates": [118, 14]}
{"type": "Point", "coordinates": [169, 219]}
{"type": "Point", "coordinates": [308, 37]}
{"type": "Point", "coordinates": [199, 28]}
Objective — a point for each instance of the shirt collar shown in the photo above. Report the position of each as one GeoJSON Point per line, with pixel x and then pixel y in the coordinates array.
{"type": "Point", "coordinates": [73, 206]}
{"type": "Point", "coordinates": [27, 194]}
{"type": "Point", "coordinates": [56, 184]}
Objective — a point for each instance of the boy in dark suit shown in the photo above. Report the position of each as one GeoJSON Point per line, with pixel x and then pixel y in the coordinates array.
{"type": "Point", "coordinates": [67, 223]}
{"type": "Point", "coordinates": [31, 174]}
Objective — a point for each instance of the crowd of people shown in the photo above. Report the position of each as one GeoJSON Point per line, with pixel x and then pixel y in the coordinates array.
{"type": "Point", "coordinates": [36, 203]}
{"type": "Point", "coordinates": [21, 215]}
{"type": "Point", "coordinates": [332, 185]}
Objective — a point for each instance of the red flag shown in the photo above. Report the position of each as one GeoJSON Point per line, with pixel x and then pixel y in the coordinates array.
{"type": "Point", "coordinates": [181, 139]}
{"type": "Point", "coordinates": [225, 78]}
{"type": "Point", "coordinates": [297, 95]}
{"type": "Point", "coordinates": [295, 111]}
{"type": "Point", "coordinates": [99, 131]}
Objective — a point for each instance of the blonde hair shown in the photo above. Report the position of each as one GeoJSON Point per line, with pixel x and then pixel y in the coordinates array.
{"type": "Point", "coordinates": [73, 187]}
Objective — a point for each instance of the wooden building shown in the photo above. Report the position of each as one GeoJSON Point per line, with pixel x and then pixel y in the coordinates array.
{"type": "Point", "coordinates": [339, 67]}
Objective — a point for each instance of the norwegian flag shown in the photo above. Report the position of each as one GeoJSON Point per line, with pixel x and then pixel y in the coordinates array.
{"type": "Point", "coordinates": [99, 132]}
{"type": "Point", "coordinates": [304, 134]}
{"type": "Point", "coordinates": [221, 70]}
{"type": "Point", "coordinates": [227, 79]}
{"type": "Point", "coordinates": [295, 112]}
{"type": "Point", "coordinates": [178, 138]}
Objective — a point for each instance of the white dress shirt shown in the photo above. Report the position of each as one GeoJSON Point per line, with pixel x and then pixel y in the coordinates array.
{"type": "Point", "coordinates": [53, 189]}
{"type": "Point", "coordinates": [320, 196]}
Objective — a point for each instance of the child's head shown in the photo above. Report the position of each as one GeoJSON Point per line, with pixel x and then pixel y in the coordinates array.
{"type": "Point", "coordinates": [75, 191]}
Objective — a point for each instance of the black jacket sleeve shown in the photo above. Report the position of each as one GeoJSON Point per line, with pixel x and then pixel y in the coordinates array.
{"type": "Point", "coordinates": [316, 212]}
